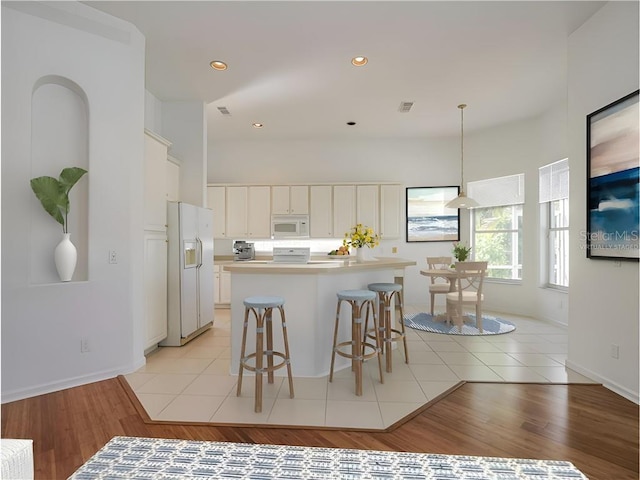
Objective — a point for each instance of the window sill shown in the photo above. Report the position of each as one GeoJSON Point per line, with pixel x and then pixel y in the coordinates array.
{"type": "Point", "coordinates": [503, 281]}
{"type": "Point", "coordinates": [556, 288]}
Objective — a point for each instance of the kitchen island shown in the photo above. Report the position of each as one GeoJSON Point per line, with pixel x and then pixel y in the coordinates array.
{"type": "Point", "coordinates": [309, 291]}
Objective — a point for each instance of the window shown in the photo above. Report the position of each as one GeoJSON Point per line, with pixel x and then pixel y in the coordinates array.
{"type": "Point", "coordinates": [554, 215]}
{"type": "Point", "coordinates": [497, 225]}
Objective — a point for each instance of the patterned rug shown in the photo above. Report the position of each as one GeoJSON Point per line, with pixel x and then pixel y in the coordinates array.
{"type": "Point", "coordinates": [165, 459]}
{"type": "Point", "coordinates": [427, 323]}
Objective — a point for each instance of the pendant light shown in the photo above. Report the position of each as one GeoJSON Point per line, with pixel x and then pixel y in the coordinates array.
{"type": "Point", "coordinates": [462, 201]}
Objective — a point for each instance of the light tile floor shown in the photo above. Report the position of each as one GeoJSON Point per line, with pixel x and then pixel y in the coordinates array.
{"type": "Point", "coordinates": [192, 383]}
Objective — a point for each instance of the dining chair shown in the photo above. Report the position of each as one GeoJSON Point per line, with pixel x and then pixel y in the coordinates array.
{"type": "Point", "coordinates": [469, 280]}
{"type": "Point", "coordinates": [437, 286]}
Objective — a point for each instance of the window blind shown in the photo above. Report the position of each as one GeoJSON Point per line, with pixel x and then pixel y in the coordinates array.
{"type": "Point", "coordinates": [494, 192]}
{"type": "Point", "coordinates": [554, 181]}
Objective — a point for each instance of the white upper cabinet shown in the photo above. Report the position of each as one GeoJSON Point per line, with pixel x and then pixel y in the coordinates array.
{"type": "Point", "coordinates": [259, 212]}
{"type": "Point", "coordinates": [244, 211]}
{"type": "Point", "coordinates": [292, 199]}
{"type": "Point", "coordinates": [390, 211]}
{"type": "Point", "coordinates": [248, 212]}
{"type": "Point", "coordinates": [320, 211]}
{"type": "Point", "coordinates": [216, 201]}
{"type": "Point", "coordinates": [155, 181]}
{"type": "Point", "coordinates": [344, 209]}
{"type": "Point", "coordinates": [368, 206]}
{"type": "Point", "coordinates": [237, 198]}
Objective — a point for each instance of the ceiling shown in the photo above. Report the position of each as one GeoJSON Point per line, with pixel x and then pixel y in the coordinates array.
{"type": "Point", "coordinates": [290, 63]}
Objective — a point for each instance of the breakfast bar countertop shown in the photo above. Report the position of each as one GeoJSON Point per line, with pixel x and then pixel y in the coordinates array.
{"type": "Point", "coordinates": [315, 266]}
{"type": "Point", "coordinates": [309, 290]}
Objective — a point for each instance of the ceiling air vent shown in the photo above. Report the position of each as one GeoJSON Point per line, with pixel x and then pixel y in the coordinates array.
{"type": "Point", "coordinates": [224, 111]}
{"type": "Point", "coordinates": [405, 106]}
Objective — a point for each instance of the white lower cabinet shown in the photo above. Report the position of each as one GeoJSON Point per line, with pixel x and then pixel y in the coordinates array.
{"type": "Point", "coordinates": [221, 286]}
{"type": "Point", "coordinates": [155, 287]}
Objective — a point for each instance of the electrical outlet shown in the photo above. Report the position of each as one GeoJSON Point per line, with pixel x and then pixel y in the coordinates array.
{"type": "Point", "coordinates": [615, 351]}
{"type": "Point", "coordinates": [84, 345]}
{"type": "Point", "coordinates": [394, 249]}
{"type": "Point", "coordinates": [113, 256]}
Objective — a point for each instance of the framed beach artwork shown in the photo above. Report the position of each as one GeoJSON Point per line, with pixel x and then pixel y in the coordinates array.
{"type": "Point", "coordinates": [613, 165]}
{"type": "Point", "coordinates": [428, 220]}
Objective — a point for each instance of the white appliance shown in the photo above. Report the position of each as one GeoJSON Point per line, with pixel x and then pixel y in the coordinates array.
{"type": "Point", "coordinates": [289, 226]}
{"type": "Point", "coordinates": [291, 255]}
{"type": "Point", "coordinates": [190, 272]}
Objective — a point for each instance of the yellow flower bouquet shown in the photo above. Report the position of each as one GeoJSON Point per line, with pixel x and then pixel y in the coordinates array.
{"type": "Point", "coordinates": [361, 236]}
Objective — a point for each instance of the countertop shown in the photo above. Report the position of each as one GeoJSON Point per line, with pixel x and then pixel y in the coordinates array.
{"type": "Point", "coordinates": [316, 266]}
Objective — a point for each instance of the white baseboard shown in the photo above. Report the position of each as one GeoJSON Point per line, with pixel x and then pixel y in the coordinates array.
{"type": "Point", "coordinates": [21, 394]}
{"type": "Point", "coordinates": [609, 384]}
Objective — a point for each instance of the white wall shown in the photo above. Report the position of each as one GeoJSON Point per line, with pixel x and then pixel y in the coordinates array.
{"type": "Point", "coordinates": [603, 302]}
{"type": "Point", "coordinates": [42, 324]}
{"type": "Point", "coordinates": [152, 113]}
{"type": "Point", "coordinates": [184, 124]}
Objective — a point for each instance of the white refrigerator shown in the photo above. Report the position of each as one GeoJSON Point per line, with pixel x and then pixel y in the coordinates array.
{"type": "Point", "coordinates": [190, 272]}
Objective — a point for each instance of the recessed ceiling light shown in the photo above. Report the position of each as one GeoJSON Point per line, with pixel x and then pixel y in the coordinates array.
{"type": "Point", "coordinates": [218, 65]}
{"type": "Point", "coordinates": [258, 125]}
{"type": "Point", "coordinates": [351, 123]}
{"type": "Point", "coordinates": [359, 61]}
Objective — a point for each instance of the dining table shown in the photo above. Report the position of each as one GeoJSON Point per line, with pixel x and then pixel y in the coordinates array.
{"type": "Point", "coordinates": [450, 275]}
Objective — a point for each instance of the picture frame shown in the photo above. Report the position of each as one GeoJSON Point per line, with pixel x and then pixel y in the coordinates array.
{"type": "Point", "coordinates": [613, 168]}
{"type": "Point", "coordinates": [428, 220]}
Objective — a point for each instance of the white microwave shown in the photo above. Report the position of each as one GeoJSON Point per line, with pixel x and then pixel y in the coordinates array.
{"type": "Point", "coordinates": [289, 226]}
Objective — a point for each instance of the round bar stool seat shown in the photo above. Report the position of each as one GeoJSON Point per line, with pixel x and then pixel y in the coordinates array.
{"type": "Point", "coordinates": [386, 293]}
{"type": "Point", "coordinates": [261, 308]}
{"type": "Point", "coordinates": [360, 350]}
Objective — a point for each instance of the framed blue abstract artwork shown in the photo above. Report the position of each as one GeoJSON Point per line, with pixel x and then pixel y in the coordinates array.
{"type": "Point", "coordinates": [613, 183]}
{"type": "Point", "coordinates": [428, 220]}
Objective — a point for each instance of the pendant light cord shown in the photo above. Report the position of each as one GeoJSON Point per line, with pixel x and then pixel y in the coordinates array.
{"type": "Point", "coordinates": [462, 107]}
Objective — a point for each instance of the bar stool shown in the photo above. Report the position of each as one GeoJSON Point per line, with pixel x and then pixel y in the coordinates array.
{"type": "Point", "coordinates": [358, 299]}
{"type": "Point", "coordinates": [262, 310]}
{"type": "Point", "coordinates": [386, 293]}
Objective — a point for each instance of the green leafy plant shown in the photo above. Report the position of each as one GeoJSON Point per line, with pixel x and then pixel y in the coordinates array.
{"type": "Point", "coordinates": [53, 193]}
{"type": "Point", "coordinates": [460, 251]}
{"type": "Point", "coordinates": [361, 236]}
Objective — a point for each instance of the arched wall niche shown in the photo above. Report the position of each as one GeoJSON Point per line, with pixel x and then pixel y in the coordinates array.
{"type": "Point", "coordinates": [59, 139]}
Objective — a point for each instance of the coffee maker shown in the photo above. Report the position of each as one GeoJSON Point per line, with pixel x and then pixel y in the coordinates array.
{"type": "Point", "coordinates": [243, 251]}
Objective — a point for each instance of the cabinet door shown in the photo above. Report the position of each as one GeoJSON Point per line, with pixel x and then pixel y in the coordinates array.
{"type": "Point", "coordinates": [299, 199]}
{"type": "Point", "coordinates": [216, 288]}
{"type": "Point", "coordinates": [173, 181]}
{"type": "Point", "coordinates": [390, 211]}
{"type": "Point", "coordinates": [259, 212]}
{"type": "Point", "coordinates": [280, 200]}
{"type": "Point", "coordinates": [225, 287]}
{"type": "Point", "coordinates": [367, 206]}
{"type": "Point", "coordinates": [155, 183]}
{"type": "Point", "coordinates": [237, 212]}
{"type": "Point", "coordinates": [216, 201]}
{"type": "Point", "coordinates": [344, 209]}
{"type": "Point", "coordinates": [320, 211]}
{"type": "Point", "coordinates": [155, 287]}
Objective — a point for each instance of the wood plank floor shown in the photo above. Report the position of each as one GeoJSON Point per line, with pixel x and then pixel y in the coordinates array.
{"type": "Point", "coordinates": [588, 425]}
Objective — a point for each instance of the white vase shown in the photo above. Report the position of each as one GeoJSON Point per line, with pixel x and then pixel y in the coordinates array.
{"type": "Point", "coordinates": [66, 256]}
{"type": "Point", "coordinates": [361, 254]}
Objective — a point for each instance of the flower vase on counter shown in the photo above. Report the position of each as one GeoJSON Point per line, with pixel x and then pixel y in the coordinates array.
{"type": "Point", "coordinates": [361, 238]}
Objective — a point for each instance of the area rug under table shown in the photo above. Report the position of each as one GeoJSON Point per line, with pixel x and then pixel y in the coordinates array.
{"type": "Point", "coordinates": [134, 458]}
{"type": "Point", "coordinates": [437, 324]}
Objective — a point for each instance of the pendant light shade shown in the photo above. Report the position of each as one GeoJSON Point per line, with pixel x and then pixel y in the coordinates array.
{"type": "Point", "coordinates": [462, 201]}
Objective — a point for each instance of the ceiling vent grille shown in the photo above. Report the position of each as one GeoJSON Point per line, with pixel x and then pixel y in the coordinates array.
{"type": "Point", "coordinates": [405, 107]}
{"type": "Point", "coordinates": [224, 111]}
